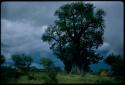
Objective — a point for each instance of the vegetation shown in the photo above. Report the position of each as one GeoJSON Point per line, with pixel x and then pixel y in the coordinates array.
{"type": "Point", "coordinates": [117, 64]}
{"type": "Point", "coordinates": [74, 38]}
{"type": "Point", "coordinates": [2, 60]}
{"type": "Point", "coordinates": [77, 32]}
{"type": "Point", "coordinates": [22, 62]}
{"type": "Point", "coordinates": [50, 71]}
{"type": "Point", "coordinates": [63, 78]}
{"type": "Point", "coordinates": [50, 75]}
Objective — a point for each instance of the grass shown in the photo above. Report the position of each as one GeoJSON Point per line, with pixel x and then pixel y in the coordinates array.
{"type": "Point", "coordinates": [38, 78]}
{"type": "Point", "coordinates": [87, 79]}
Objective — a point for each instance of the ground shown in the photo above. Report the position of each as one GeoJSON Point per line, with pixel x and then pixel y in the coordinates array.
{"type": "Point", "coordinates": [38, 78]}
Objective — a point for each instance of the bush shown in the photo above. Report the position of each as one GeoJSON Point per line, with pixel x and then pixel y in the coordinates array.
{"type": "Point", "coordinates": [8, 73]}
{"type": "Point", "coordinates": [2, 60]}
{"type": "Point", "coordinates": [116, 63]}
{"type": "Point", "coordinates": [22, 62]}
{"type": "Point", "coordinates": [104, 73]}
{"type": "Point", "coordinates": [50, 71]}
{"type": "Point", "coordinates": [50, 77]}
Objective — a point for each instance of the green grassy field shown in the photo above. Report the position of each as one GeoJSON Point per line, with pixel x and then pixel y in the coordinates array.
{"type": "Point", "coordinates": [65, 79]}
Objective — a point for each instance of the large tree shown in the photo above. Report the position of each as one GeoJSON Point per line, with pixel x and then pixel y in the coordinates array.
{"type": "Point", "coordinates": [76, 34]}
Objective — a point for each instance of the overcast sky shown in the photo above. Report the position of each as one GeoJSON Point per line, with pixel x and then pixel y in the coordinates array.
{"type": "Point", "coordinates": [23, 23]}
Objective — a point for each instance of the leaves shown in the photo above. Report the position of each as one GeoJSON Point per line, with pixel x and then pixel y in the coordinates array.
{"type": "Point", "coordinates": [117, 64]}
{"type": "Point", "coordinates": [2, 59]}
{"type": "Point", "coordinates": [78, 27]}
{"type": "Point", "coordinates": [22, 62]}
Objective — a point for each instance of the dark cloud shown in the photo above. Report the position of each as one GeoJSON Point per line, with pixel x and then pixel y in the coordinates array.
{"type": "Point", "coordinates": [19, 37]}
{"type": "Point", "coordinates": [36, 12]}
{"type": "Point", "coordinates": [114, 23]}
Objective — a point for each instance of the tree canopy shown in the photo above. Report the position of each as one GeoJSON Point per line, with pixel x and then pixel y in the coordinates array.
{"type": "Point", "coordinates": [77, 33]}
{"type": "Point", "coordinates": [117, 64]}
{"type": "Point", "coordinates": [22, 62]}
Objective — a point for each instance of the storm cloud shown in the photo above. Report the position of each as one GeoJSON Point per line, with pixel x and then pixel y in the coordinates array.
{"type": "Point", "coordinates": [38, 13]}
{"type": "Point", "coordinates": [23, 23]}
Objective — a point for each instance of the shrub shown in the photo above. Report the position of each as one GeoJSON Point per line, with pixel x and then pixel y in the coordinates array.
{"type": "Point", "coordinates": [2, 59]}
{"type": "Point", "coordinates": [8, 73]}
{"type": "Point", "coordinates": [116, 63]}
{"type": "Point", "coordinates": [104, 73]}
{"type": "Point", "coordinates": [22, 62]}
{"type": "Point", "coordinates": [50, 71]}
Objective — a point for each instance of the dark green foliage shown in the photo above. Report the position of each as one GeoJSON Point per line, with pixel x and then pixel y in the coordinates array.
{"type": "Point", "coordinates": [47, 63]}
{"type": "Point", "coordinates": [116, 63]}
{"type": "Point", "coordinates": [34, 69]}
{"type": "Point", "coordinates": [31, 77]}
{"type": "Point", "coordinates": [118, 67]}
{"type": "Point", "coordinates": [22, 62]}
{"type": "Point", "coordinates": [111, 59]}
{"type": "Point", "coordinates": [2, 59]}
{"type": "Point", "coordinates": [58, 69]}
{"type": "Point", "coordinates": [50, 71]}
{"type": "Point", "coordinates": [8, 73]}
{"type": "Point", "coordinates": [77, 31]}
{"type": "Point", "coordinates": [50, 77]}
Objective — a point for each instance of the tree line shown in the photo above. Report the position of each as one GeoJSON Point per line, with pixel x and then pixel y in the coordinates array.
{"type": "Point", "coordinates": [23, 66]}
{"type": "Point", "coordinates": [23, 63]}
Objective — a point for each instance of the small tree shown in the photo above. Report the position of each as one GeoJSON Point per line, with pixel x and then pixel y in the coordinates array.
{"type": "Point", "coordinates": [116, 63]}
{"type": "Point", "coordinates": [50, 71]}
{"type": "Point", "coordinates": [111, 59]}
{"type": "Point", "coordinates": [22, 62]}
